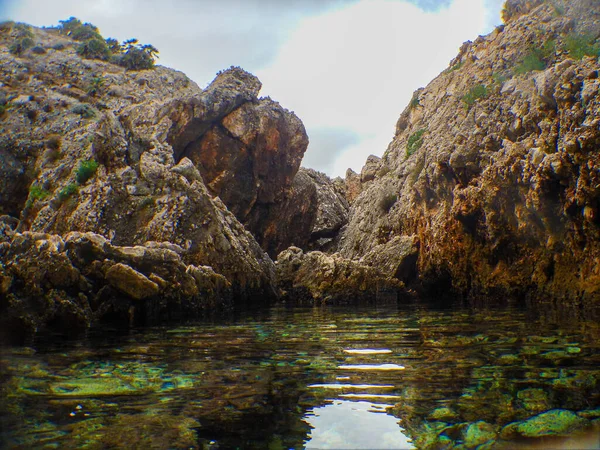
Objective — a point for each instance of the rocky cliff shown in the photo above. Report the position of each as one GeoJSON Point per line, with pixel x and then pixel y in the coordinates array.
{"type": "Point", "coordinates": [492, 181]}
{"type": "Point", "coordinates": [131, 193]}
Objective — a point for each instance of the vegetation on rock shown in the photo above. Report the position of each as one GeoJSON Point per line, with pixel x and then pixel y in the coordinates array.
{"type": "Point", "coordinates": [130, 54]}
{"type": "Point", "coordinates": [85, 171]}
{"type": "Point", "coordinates": [475, 93]}
{"type": "Point", "coordinates": [415, 141]}
{"type": "Point", "coordinates": [580, 45]}
{"type": "Point", "coordinates": [66, 192]}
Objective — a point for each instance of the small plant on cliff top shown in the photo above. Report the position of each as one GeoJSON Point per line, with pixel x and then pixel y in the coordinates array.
{"type": "Point", "coordinates": [94, 49]}
{"type": "Point", "coordinates": [474, 94]}
{"type": "Point", "coordinates": [415, 141]}
{"type": "Point", "coordinates": [136, 56]}
{"type": "Point", "coordinates": [86, 170]}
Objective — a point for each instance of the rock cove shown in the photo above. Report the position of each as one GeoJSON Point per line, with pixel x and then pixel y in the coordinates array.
{"type": "Point", "coordinates": [135, 196]}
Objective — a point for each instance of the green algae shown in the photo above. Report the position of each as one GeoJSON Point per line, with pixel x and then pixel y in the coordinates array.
{"type": "Point", "coordinates": [557, 422]}
{"type": "Point", "coordinates": [478, 433]}
{"type": "Point", "coordinates": [471, 380]}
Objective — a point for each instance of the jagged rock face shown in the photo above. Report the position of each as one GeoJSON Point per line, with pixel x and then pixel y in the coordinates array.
{"type": "Point", "coordinates": [247, 150]}
{"type": "Point", "coordinates": [353, 185]}
{"type": "Point", "coordinates": [319, 277]}
{"type": "Point", "coordinates": [136, 126]}
{"type": "Point", "coordinates": [289, 221]}
{"type": "Point", "coordinates": [332, 211]}
{"type": "Point", "coordinates": [309, 216]}
{"type": "Point", "coordinates": [252, 156]}
{"type": "Point", "coordinates": [500, 184]}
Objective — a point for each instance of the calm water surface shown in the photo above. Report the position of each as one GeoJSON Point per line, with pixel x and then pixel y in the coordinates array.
{"type": "Point", "coordinates": [322, 377]}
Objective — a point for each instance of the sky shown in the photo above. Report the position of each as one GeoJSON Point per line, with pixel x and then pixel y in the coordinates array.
{"type": "Point", "coordinates": [347, 68]}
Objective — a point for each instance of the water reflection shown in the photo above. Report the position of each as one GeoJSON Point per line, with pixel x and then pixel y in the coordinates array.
{"type": "Point", "coordinates": [317, 377]}
{"type": "Point", "coordinates": [354, 425]}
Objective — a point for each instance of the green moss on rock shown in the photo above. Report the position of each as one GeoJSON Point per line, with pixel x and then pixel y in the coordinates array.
{"type": "Point", "coordinates": [557, 422]}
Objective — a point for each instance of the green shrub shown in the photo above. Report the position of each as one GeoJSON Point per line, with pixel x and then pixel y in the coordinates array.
{"type": "Point", "coordinates": [86, 170]}
{"type": "Point", "coordinates": [415, 141]}
{"type": "Point", "coordinates": [95, 86]}
{"type": "Point", "coordinates": [20, 45]}
{"type": "Point", "coordinates": [414, 102]}
{"type": "Point", "coordinates": [94, 49]}
{"type": "Point", "coordinates": [137, 58]}
{"type": "Point", "coordinates": [69, 25]}
{"type": "Point", "coordinates": [85, 111]}
{"type": "Point", "coordinates": [499, 78]}
{"type": "Point", "coordinates": [531, 61]}
{"type": "Point", "coordinates": [86, 32]}
{"type": "Point", "coordinates": [474, 94]}
{"type": "Point", "coordinates": [66, 192]}
{"type": "Point", "coordinates": [578, 46]}
{"type": "Point", "coordinates": [537, 58]}
{"type": "Point", "coordinates": [37, 193]}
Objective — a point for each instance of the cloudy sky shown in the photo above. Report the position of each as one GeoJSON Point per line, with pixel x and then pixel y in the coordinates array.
{"type": "Point", "coordinates": [346, 67]}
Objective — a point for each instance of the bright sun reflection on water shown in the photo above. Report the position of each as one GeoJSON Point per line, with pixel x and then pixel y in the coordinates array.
{"type": "Point", "coordinates": [354, 425]}
{"type": "Point", "coordinates": [372, 367]}
{"type": "Point", "coordinates": [367, 351]}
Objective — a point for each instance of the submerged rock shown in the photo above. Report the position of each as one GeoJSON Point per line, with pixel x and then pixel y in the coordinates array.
{"type": "Point", "coordinates": [557, 422]}
{"type": "Point", "coordinates": [478, 433]}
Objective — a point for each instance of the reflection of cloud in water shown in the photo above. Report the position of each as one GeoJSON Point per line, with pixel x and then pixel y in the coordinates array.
{"type": "Point", "coordinates": [346, 425]}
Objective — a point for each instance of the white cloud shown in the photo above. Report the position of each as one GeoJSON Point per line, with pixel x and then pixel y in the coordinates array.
{"type": "Point", "coordinates": [356, 68]}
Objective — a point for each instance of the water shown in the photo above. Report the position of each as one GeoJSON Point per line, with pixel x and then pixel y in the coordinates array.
{"type": "Point", "coordinates": [323, 377]}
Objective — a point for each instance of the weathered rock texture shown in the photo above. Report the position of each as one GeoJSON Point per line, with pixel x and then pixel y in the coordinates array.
{"type": "Point", "coordinates": [316, 276]}
{"type": "Point", "coordinates": [498, 186]}
{"type": "Point", "coordinates": [69, 282]}
{"type": "Point", "coordinates": [247, 150]}
{"type": "Point", "coordinates": [309, 215]}
{"type": "Point", "coordinates": [134, 157]}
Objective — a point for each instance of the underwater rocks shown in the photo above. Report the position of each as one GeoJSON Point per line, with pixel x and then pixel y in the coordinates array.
{"type": "Point", "coordinates": [316, 276]}
{"type": "Point", "coordinates": [553, 423]}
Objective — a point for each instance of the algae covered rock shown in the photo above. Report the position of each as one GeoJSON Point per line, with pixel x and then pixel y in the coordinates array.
{"type": "Point", "coordinates": [557, 422]}
{"type": "Point", "coordinates": [478, 433]}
